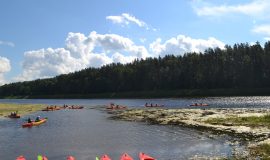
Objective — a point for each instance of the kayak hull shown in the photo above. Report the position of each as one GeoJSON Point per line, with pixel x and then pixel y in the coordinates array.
{"type": "Point", "coordinates": [105, 157]}
{"type": "Point", "coordinates": [144, 156]}
{"type": "Point", "coordinates": [70, 158]}
{"type": "Point", "coordinates": [20, 158]}
{"type": "Point", "coordinates": [34, 123]}
{"type": "Point", "coordinates": [17, 116]}
{"type": "Point", "coordinates": [125, 156]}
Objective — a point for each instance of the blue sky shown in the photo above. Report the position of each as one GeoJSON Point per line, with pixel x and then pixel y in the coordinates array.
{"type": "Point", "coordinates": [40, 39]}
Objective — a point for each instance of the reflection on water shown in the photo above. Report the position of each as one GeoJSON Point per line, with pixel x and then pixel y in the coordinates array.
{"type": "Point", "coordinates": [88, 133]}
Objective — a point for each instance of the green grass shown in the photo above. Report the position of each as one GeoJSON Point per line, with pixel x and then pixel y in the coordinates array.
{"type": "Point", "coordinates": [6, 109]}
{"type": "Point", "coordinates": [252, 121]}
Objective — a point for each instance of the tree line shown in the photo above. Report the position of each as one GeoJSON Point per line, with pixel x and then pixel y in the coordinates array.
{"type": "Point", "coordinates": [238, 66]}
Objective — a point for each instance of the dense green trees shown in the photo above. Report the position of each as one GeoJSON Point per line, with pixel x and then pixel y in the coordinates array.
{"type": "Point", "coordinates": [237, 66]}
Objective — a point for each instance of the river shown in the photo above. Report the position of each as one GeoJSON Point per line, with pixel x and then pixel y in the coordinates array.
{"type": "Point", "coordinates": [88, 133]}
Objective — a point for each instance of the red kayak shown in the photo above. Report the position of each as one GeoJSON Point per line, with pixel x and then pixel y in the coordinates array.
{"type": "Point", "coordinates": [20, 158]}
{"type": "Point", "coordinates": [105, 157]}
{"type": "Point", "coordinates": [70, 158]}
{"type": "Point", "coordinates": [144, 156]}
{"type": "Point", "coordinates": [125, 156]}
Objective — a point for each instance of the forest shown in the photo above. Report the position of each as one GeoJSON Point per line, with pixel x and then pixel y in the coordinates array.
{"type": "Point", "coordinates": [238, 67]}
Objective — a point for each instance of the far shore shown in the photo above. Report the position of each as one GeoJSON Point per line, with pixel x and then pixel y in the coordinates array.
{"type": "Point", "coordinates": [22, 109]}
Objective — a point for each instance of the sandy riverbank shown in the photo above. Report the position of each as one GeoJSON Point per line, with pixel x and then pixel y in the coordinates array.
{"type": "Point", "coordinates": [23, 109]}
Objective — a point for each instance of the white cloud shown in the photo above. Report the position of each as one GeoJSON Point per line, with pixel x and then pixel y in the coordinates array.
{"type": "Point", "coordinates": [262, 29]}
{"type": "Point", "coordinates": [4, 67]}
{"type": "Point", "coordinates": [95, 50]}
{"type": "Point", "coordinates": [126, 19]}
{"type": "Point", "coordinates": [255, 8]}
{"type": "Point", "coordinates": [80, 52]}
{"type": "Point", "coordinates": [11, 44]}
{"type": "Point", "coordinates": [182, 44]}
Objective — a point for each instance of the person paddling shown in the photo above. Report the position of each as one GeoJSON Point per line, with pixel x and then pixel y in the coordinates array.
{"type": "Point", "coordinates": [38, 119]}
{"type": "Point", "coordinates": [29, 120]}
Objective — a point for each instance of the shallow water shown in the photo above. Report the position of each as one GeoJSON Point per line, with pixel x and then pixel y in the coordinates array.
{"type": "Point", "coordinates": [88, 133]}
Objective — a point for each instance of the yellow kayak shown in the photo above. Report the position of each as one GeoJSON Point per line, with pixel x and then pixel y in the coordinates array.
{"type": "Point", "coordinates": [35, 123]}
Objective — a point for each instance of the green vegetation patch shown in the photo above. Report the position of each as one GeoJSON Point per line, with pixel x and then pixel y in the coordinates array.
{"type": "Point", "coordinates": [6, 109]}
{"type": "Point", "coordinates": [252, 121]}
{"type": "Point", "coordinates": [261, 151]}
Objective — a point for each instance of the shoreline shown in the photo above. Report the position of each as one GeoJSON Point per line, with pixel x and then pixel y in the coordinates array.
{"type": "Point", "coordinates": [257, 138]}
{"type": "Point", "coordinates": [179, 93]}
{"type": "Point", "coordinates": [23, 109]}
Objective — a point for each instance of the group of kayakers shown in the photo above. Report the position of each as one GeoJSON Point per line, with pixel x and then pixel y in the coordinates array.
{"type": "Point", "coordinates": [152, 105]}
{"type": "Point", "coordinates": [36, 120]}
{"type": "Point", "coordinates": [199, 104]}
{"type": "Point", "coordinates": [116, 106]}
{"type": "Point", "coordinates": [54, 108]}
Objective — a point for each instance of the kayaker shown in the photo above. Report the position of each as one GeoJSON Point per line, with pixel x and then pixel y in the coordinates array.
{"type": "Point", "coordinates": [38, 119]}
{"type": "Point", "coordinates": [29, 120]}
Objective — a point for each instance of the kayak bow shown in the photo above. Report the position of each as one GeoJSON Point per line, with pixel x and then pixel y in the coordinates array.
{"type": "Point", "coordinates": [125, 156]}
{"type": "Point", "coordinates": [70, 158]}
{"type": "Point", "coordinates": [20, 158]}
{"type": "Point", "coordinates": [144, 156]}
{"type": "Point", "coordinates": [105, 157]}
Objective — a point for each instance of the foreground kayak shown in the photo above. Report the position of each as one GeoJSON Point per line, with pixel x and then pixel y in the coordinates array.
{"type": "Point", "coordinates": [144, 156]}
{"type": "Point", "coordinates": [105, 157]}
{"type": "Point", "coordinates": [20, 158]}
{"type": "Point", "coordinates": [40, 157]}
{"type": "Point", "coordinates": [125, 156]}
{"type": "Point", "coordinates": [35, 123]}
{"type": "Point", "coordinates": [70, 158]}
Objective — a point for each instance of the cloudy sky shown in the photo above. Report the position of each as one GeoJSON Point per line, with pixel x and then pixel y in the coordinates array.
{"type": "Point", "coordinates": [40, 39]}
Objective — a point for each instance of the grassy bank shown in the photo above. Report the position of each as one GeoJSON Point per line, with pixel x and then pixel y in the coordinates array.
{"type": "Point", "coordinates": [156, 94]}
{"type": "Point", "coordinates": [252, 121]}
{"type": "Point", "coordinates": [23, 109]}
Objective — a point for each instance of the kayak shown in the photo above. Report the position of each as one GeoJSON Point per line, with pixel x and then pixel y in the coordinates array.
{"type": "Point", "coordinates": [20, 158]}
{"type": "Point", "coordinates": [40, 157]}
{"type": "Point", "coordinates": [17, 116]}
{"type": "Point", "coordinates": [35, 123]}
{"type": "Point", "coordinates": [70, 158]}
{"type": "Point", "coordinates": [199, 104]}
{"type": "Point", "coordinates": [105, 157]}
{"type": "Point", "coordinates": [125, 156]}
{"type": "Point", "coordinates": [144, 156]}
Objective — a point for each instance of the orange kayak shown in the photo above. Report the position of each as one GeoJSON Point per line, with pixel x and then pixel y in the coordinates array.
{"type": "Point", "coordinates": [144, 156]}
{"type": "Point", "coordinates": [105, 157]}
{"type": "Point", "coordinates": [34, 123]}
{"type": "Point", "coordinates": [125, 156]}
{"type": "Point", "coordinates": [11, 116]}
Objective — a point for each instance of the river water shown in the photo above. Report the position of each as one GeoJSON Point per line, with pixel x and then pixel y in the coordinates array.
{"type": "Point", "coordinates": [88, 133]}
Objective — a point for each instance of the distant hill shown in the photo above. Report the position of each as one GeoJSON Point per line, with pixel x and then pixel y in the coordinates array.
{"type": "Point", "coordinates": [241, 69]}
